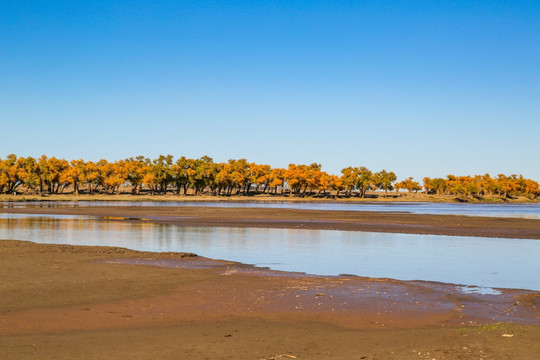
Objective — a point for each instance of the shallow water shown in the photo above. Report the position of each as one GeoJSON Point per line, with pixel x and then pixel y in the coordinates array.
{"type": "Point", "coordinates": [484, 262]}
{"type": "Point", "coordinates": [531, 211]}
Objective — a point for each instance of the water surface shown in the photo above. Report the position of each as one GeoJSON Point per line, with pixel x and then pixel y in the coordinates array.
{"type": "Point", "coordinates": [531, 211]}
{"type": "Point", "coordinates": [485, 262]}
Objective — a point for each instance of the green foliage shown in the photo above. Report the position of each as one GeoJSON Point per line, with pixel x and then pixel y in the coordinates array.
{"type": "Point", "coordinates": [384, 180]}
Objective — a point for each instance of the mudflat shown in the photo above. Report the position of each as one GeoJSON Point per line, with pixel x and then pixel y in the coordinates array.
{"type": "Point", "coordinates": [66, 302]}
{"type": "Point", "coordinates": [301, 219]}
{"type": "Point", "coordinates": [85, 302]}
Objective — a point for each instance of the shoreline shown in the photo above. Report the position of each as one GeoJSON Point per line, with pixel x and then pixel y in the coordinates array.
{"type": "Point", "coordinates": [192, 262]}
{"type": "Point", "coordinates": [371, 198]}
{"type": "Point", "coordinates": [168, 260]}
{"type": "Point", "coordinates": [390, 222]}
{"type": "Point", "coordinates": [61, 295]}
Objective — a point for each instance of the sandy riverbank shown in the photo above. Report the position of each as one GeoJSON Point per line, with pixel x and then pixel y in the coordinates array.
{"type": "Point", "coordinates": [82, 302]}
{"type": "Point", "coordinates": [302, 219]}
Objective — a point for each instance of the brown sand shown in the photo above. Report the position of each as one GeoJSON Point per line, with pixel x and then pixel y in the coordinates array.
{"type": "Point", "coordinates": [75, 302]}
{"type": "Point", "coordinates": [300, 219]}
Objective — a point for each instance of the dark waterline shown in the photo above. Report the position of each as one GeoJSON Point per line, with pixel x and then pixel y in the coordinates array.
{"type": "Point", "coordinates": [485, 262]}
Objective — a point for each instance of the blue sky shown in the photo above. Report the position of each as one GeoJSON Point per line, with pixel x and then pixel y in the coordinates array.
{"type": "Point", "coordinates": [420, 88]}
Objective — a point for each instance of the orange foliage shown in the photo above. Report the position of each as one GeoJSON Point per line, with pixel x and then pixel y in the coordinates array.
{"type": "Point", "coordinates": [53, 175]}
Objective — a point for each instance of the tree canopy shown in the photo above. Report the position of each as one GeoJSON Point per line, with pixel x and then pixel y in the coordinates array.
{"type": "Point", "coordinates": [236, 177]}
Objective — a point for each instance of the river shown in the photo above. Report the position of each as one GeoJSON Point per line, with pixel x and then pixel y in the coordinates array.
{"type": "Point", "coordinates": [483, 262]}
{"type": "Point", "coordinates": [520, 210]}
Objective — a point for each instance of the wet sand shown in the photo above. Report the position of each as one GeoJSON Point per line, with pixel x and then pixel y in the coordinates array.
{"type": "Point", "coordinates": [66, 302]}
{"type": "Point", "coordinates": [301, 219]}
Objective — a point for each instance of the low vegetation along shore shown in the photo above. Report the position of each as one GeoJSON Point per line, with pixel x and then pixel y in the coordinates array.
{"type": "Point", "coordinates": [78, 302]}
{"type": "Point", "coordinates": [126, 195]}
{"type": "Point", "coordinates": [203, 176]}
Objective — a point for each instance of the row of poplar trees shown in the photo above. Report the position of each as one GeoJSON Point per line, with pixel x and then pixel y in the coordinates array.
{"type": "Point", "coordinates": [235, 177]}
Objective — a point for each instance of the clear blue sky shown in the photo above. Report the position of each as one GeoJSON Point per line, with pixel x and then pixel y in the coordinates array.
{"type": "Point", "coordinates": [423, 88]}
